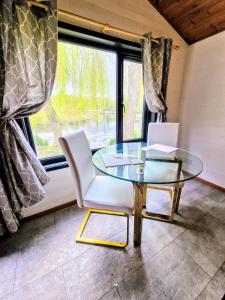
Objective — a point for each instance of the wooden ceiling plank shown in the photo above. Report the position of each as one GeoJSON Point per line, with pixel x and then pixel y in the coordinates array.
{"type": "Point", "coordinates": [193, 19]}
{"type": "Point", "coordinates": [191, 24]}
{"type": "Point", "coordinates": [220, 26]}
{"type": "Point", "coordinates": [155, 4]}
{"type": "Point", "coordinates": [217, 7]}
{"type": "Point", "coordinates": [219, 17]}
{"type": "Point", "coordinates": [201, 32]}
{"type": "Point", "coordinates": [178, 8]}
{"type": "Point", "coordinates": [208, 13]}
{"type": "Point", "coordinates": [164, 5]}
{"type": "Point", "coordinates": [190, 12]}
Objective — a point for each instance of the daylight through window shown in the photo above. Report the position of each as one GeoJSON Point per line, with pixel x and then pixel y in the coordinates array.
{"type": "Point", "coordinates": [84, 97]}
{"type": "Point", "coordinates": [98, 88]}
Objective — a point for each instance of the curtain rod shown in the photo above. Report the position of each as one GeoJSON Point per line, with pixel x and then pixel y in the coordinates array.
{"type": "Point", "coordinates": [105, 27]}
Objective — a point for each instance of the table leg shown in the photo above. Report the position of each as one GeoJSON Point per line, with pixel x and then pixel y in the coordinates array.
{"type": "Point", "coordinates": [140, 190]}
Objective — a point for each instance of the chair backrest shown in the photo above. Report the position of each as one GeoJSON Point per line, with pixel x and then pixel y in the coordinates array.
{"type": "Point", "coordinates": [163, 133]}
{"type": "Point", "coordinates": [78, 154]}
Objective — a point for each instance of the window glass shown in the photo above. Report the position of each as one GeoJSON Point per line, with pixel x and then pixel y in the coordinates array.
{"type": "Point", "coordinates": [133, 95]}
{"type": "Point", "coordinates": [84, 97]}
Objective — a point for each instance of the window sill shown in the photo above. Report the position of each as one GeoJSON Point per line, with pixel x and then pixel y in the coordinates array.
{"type": "Point", "coordinates": [59, 162]}
{"type": "Point", "coordinates": [55, 166]}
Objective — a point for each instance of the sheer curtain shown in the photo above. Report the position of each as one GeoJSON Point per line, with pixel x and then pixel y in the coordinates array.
{"type": "Point", "coordinates": [28, 53]}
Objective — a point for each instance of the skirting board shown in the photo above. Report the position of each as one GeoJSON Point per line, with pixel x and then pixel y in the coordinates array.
{"type": "Point", "coordinates": [48, 211]}
{"type": "Point", "coordinates": [218, 187]}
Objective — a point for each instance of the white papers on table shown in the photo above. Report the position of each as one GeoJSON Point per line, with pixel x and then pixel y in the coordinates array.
{"type": "Point", "coordinates": [159, 147]}
{"type": "Point", "coordinates": [112, 160]}
{"type": "Point", "coordinates": [136, 161]}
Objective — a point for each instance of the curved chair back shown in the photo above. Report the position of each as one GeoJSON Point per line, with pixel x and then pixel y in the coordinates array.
{"type": "Point", "coordinates": [78, 154]}
{"type": "Point", "coordinates": [163, 133]}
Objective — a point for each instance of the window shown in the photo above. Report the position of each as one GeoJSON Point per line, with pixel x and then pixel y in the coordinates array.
{"type": "Point", "coordinates": [133, 95]}
{"type": "Point", "coordinates": [84, 97]}
{"type": "Point", "coordinates": [98, 88]}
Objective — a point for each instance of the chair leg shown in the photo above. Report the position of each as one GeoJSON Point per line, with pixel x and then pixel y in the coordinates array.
{"type": "Point", "coordinates": [178, 199]}
{"type": "Point", "coordinates": [84, 240]}
{"type": "Point", "coordinates": [162, 189]}
{"type": "Point", "coordinates": [145, 196]}
{"type": "Point", "coordinates": [162, 217]}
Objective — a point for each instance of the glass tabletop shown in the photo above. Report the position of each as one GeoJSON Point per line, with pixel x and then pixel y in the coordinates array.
{"type": "Point", "coordinates": [147, 167]}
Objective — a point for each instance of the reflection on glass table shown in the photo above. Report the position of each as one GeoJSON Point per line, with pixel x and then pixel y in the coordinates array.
{"type": "Point", "coordinates": [154, 167]}
{"type": "Point", "coordinates": [159, 167]}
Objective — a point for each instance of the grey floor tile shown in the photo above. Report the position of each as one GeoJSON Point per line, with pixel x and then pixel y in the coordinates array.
{"type": "Point", "coordinates": [64, 246]}
{"type": "Point", "coordinates": [65, 218]}
{"type": "Point", "coordinates": [101, 226]}
{"type": "Point", "coordinates": [39, 256]}
{"type": "Point", "coordinates": [174, 261]}
{"type": "Point", "coordinates": [215, 290]}
{"type": "Point", "coordinates": [219, 211]}
{"type": "Point", "coordinates": [51, 287]}
{"type": "Point", "coordinates": [98, 270]}
{"type": "Point", "coordinates": [189, 198]}
{"type": "Point", "coordinates": [194, 205]}
{"type": "Point", "coordinates": [156, 235]}
{"type": "Point", "coordinates": [8, 262]}
{"type": "Point", "coordinates": [35, 260]}
{"type": "Point", "coordinates": [204, 241]}
{"type": "Point", "coordinates": [205, 190]}
{"type": "Point", "coordinates": [33, 228]}
{"type": "Point", "coordinates": [191, 186]}
{"type": "Point", "coordinates": [158, 201]}
{"type": "Point", "coordinates": [217, 195]}
{"type": "Point", "coordinates": [171, 274]}
{"type": "Point", "coordinates": [141, 285]}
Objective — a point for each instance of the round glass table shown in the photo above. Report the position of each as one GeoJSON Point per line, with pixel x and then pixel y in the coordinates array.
{"type": "Point", "coordinates": [133, 162]}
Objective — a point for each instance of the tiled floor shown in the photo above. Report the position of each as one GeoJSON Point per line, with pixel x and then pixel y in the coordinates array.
{"type": "Point", "coordinates": [185, 260]}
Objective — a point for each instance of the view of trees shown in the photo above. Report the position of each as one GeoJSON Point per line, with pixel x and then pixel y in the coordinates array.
{"type": "Point", "coordinates": [84, 96]}
{"type": "Point", "coordinates": [133, 94]}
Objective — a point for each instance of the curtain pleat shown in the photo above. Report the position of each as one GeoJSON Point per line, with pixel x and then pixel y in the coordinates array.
{"type": "Point", "coordinates": [156, 61]}
{"type": "Point", "coordinates": [28, 53]}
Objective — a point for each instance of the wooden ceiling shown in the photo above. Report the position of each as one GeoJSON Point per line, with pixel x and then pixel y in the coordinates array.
{"type": "Point", "coordinates": [194, 20]}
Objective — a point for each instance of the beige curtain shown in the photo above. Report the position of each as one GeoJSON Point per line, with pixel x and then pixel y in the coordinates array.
{"type": "Point", "coordinates": [28, 49]}
{"type": "Point", "coordinates": [156, 61]}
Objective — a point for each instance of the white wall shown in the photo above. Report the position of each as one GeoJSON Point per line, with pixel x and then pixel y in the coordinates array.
{"type": "Point", "coordinates": [59, 190]}
{"type": "Point", "coordinates": [203, 106]}
{"type": "Point", "coordinates": [135, 16]}
{"type": "Point", "coordinates": [139, 17]}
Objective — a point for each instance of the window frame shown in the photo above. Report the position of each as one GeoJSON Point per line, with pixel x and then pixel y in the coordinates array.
{"type": "Point", "coordinates": [145, 108]}
{"type": "Point", "coordinates": [124, 50]}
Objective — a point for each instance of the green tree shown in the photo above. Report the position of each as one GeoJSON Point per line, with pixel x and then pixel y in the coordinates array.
{"type": "Point", "coordinates": [81, 92]}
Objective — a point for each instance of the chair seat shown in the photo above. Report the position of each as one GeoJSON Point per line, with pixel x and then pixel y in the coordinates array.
{"type": "Point", "coordinates": [168, 173]}
{"type": "Point", "coordinates": [172, 185]}
{"type": "Point", "coordinates": [109, 193]}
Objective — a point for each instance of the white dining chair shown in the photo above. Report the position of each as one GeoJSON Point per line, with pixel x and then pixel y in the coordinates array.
{"type": "Point", "coordinates": [165, 134]}
{"type": "Point", "coordinates": [100, 194]}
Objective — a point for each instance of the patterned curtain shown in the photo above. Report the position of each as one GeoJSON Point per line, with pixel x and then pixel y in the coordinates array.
{"type": "Point", "coordinates": [28, 49]}
{"type": "Point", "coordinates": [156, 61]}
